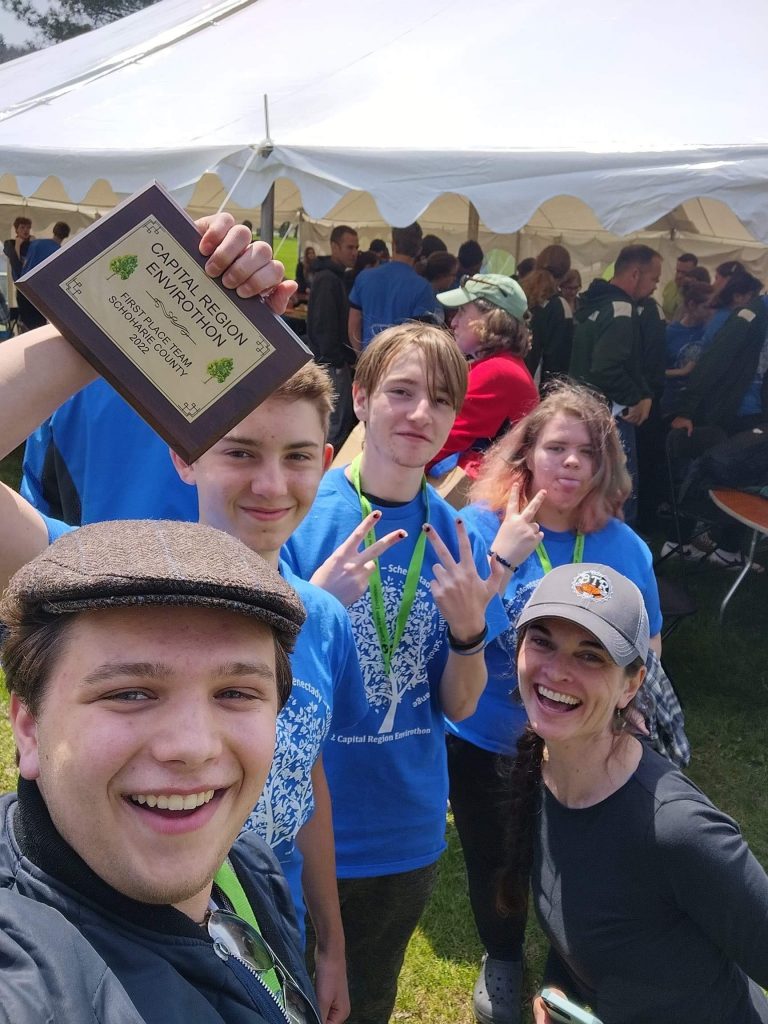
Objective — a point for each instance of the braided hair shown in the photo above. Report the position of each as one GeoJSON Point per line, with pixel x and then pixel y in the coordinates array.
{"type": "Point", "coordinates": [523, 802]}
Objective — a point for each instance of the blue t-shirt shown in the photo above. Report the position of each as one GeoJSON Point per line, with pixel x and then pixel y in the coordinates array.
{"type": "Point", "coordinates": [388, 776]}
{"type": "Point", "coordinates": [713, 325]}
{"type": "Point", "coordinates": [39, 249]}
{"type": "Point", "coordinates": [327, 695]}
{"type": "Point", "coordinates": [96, 459]}
{"type": "Point", "coordinates": [55, 527]}
{"type": "Point", "coordinates": [684, 345]}
{"type": "Point", "coordinates": [390, 294]}
{"type": "Point", "coordinates": [500, 719]}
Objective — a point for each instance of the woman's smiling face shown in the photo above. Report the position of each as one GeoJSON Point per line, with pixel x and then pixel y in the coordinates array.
{"type": "Point", "coordinates": [569, 684]}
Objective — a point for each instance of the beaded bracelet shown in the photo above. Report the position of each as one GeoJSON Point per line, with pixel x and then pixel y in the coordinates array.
{"type": "Point", "coordinates": [468, 654]}
{"type": "Point", "coordinates": [469, 645]}
{"type": "Point", "coordinates": [503, 561]}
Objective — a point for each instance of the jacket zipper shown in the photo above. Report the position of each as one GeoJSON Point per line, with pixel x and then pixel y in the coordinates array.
{"type": "Point", "coordinates": [224, 954]}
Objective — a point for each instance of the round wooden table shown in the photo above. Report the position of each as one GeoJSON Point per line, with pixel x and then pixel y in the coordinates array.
{"type": "Point", "coordinates": [752, 511]}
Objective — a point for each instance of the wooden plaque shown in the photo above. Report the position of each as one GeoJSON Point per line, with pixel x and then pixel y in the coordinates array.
{"type": "Point", "coordinates": [130, 293]}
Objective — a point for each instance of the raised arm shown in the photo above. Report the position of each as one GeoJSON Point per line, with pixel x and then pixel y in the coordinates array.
{"type": "Point", "coordinates": [39, 371]}
{"type": "Point", "coordinates": [462, 597]}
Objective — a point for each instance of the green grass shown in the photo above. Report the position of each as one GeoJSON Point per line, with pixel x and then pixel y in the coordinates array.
{"type": "Point", "coordinates": [10, 473]}
{"type": "Point", "coordinates": [721, 675]}
{"type": "Point", "coordinates": [286, 250]}
{"type": "Point", "coordinates": [10, 468]}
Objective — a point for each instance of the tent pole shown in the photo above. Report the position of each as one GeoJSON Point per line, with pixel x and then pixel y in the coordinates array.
{"type": "Point", "coordinates": [267, 227]}
{"type": "Point", "coordinates": [473, 223]}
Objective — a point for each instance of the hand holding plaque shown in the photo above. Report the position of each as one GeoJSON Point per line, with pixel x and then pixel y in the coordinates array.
{"type": "Point", "coordinates": [132, 295]}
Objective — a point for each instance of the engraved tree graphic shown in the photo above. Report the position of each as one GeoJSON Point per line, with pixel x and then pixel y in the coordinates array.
{"type": "Point", "coordinates": [286, 802]}
{"type": "Point", "coordinates": [219, 369]}
{"type": "Point", "coordinates": [123, 266]}
{"type": "Point", "coordinates": [408, 671]}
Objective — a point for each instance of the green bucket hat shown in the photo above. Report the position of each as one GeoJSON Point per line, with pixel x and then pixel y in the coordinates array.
{"type": "Point", "coordinates": [497, 289]}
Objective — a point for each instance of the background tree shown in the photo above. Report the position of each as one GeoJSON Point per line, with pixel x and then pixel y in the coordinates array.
{"type": "Point", "coordinates": [9, 52]}
{"type": "Point", "coordinates": [63, 19]}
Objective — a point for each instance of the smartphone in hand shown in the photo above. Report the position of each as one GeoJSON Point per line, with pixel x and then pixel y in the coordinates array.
{"type": "Point", "coordinates": [563, 1011]}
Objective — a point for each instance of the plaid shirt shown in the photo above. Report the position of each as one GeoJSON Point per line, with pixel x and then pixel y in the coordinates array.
{"type": "Point", "coordinates": [663, 714]}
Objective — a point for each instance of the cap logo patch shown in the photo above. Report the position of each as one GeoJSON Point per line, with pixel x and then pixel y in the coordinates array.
{"type": "Point", "coordinates": [592, 585]}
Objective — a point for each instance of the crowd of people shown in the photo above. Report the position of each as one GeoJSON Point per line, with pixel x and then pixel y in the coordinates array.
{"type": "Point", "coordinates": [244, 688]}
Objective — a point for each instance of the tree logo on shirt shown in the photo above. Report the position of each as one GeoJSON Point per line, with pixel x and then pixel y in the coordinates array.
{"type": "Point", "coordinates": [407, 685]}
{"type": "Point", "coordinates": [286, 801]}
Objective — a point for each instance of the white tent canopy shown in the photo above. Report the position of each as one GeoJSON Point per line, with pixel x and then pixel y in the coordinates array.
{"type": "Point", "coordinates": [633, 109]}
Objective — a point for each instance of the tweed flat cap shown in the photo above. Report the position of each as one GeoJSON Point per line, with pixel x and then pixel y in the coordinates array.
{"type": "Point", "coordinates": [147, 562]}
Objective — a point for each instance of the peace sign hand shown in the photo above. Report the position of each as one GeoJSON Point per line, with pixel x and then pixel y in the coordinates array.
{"type": "Point", "coordinates": [460, 592]}
{"type": "Point", "coordinates": [346, 573]}
{"type": "Point", "coordinates": [519, 533]}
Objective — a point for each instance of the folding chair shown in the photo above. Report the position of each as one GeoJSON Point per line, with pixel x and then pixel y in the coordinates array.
{"type": "Point", "coordinates": [5, 319]}
{"type": "Point", "coordinates": [676, 604]}
{"type": "Point", "coordinates": [680, 452]}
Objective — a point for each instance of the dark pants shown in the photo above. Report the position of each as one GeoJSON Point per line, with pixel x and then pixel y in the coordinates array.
{"type": "Point", "coordinates": [651, 467]}
{"type": "Point", "coordinates": [478, 794]}
{"type": "Point", "coordinates": [628, 437]}
{"type": "Point", "coordinates": [379, 917]}
{"type": "Point", "coordinates": [29, 315]}
{"type": "Point", "coordinates": [343, 419]}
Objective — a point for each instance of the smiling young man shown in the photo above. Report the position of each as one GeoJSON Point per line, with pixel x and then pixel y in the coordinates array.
{"type": "Point", "coordinates": [422, 605]}
{"type": "Point", "coordinates": [257, 483]}
{"type": "Point", "coordinates": [146, 664]}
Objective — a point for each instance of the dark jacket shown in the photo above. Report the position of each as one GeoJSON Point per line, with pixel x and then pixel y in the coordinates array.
{"type": "Point", "coordinates": [607, 345]}
{"type": "Point", "coordinates": [76, 951]}
{"type": "Point", "coordinates": [727, 367]}
{"type": "Point", "coordinates": [15, 259]}
{"type": "Point", "coordinates": [653, 336]}
{"type": "Point", "coordinates": [327, 314]}
{"type": "Point", "coordinates": [551, 338]}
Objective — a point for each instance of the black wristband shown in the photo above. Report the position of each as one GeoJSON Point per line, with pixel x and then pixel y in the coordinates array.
{"type": "Point", "coordinates": [503, 561]}
{"type": "Point", "coordinates": [457, 645]}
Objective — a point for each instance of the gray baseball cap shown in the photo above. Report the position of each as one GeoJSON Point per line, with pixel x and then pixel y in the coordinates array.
{"type": "Point", "coordinates": [497, 289]}
{"type": "Point", "coordinates": [155, 562]}
{"type": "Point", "coordinates": [601, 600]}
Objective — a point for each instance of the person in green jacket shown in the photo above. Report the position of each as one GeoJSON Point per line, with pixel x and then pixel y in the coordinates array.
{"type": "Point", "coordinates": [727, 367]}
{"type": "Point", "coordinates": [717, 387]}
{"type": "Point", "coordinates": [608, 350]}
{"type": "Point", "coordinates": [551, 315]}
{"type": "Point", "coordinates": [672, 296]}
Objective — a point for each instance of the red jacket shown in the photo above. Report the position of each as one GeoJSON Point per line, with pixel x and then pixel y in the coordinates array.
{"type": "Point", "coordinates": [500, 391]}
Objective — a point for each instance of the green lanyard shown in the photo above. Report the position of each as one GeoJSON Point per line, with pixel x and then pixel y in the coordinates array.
{"type": "Point", "coordinates": [389, 643]}
{"type": "Point", "coordinates": [578, 553]}
{"type": "Point", "coordinates": [229, 883]}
